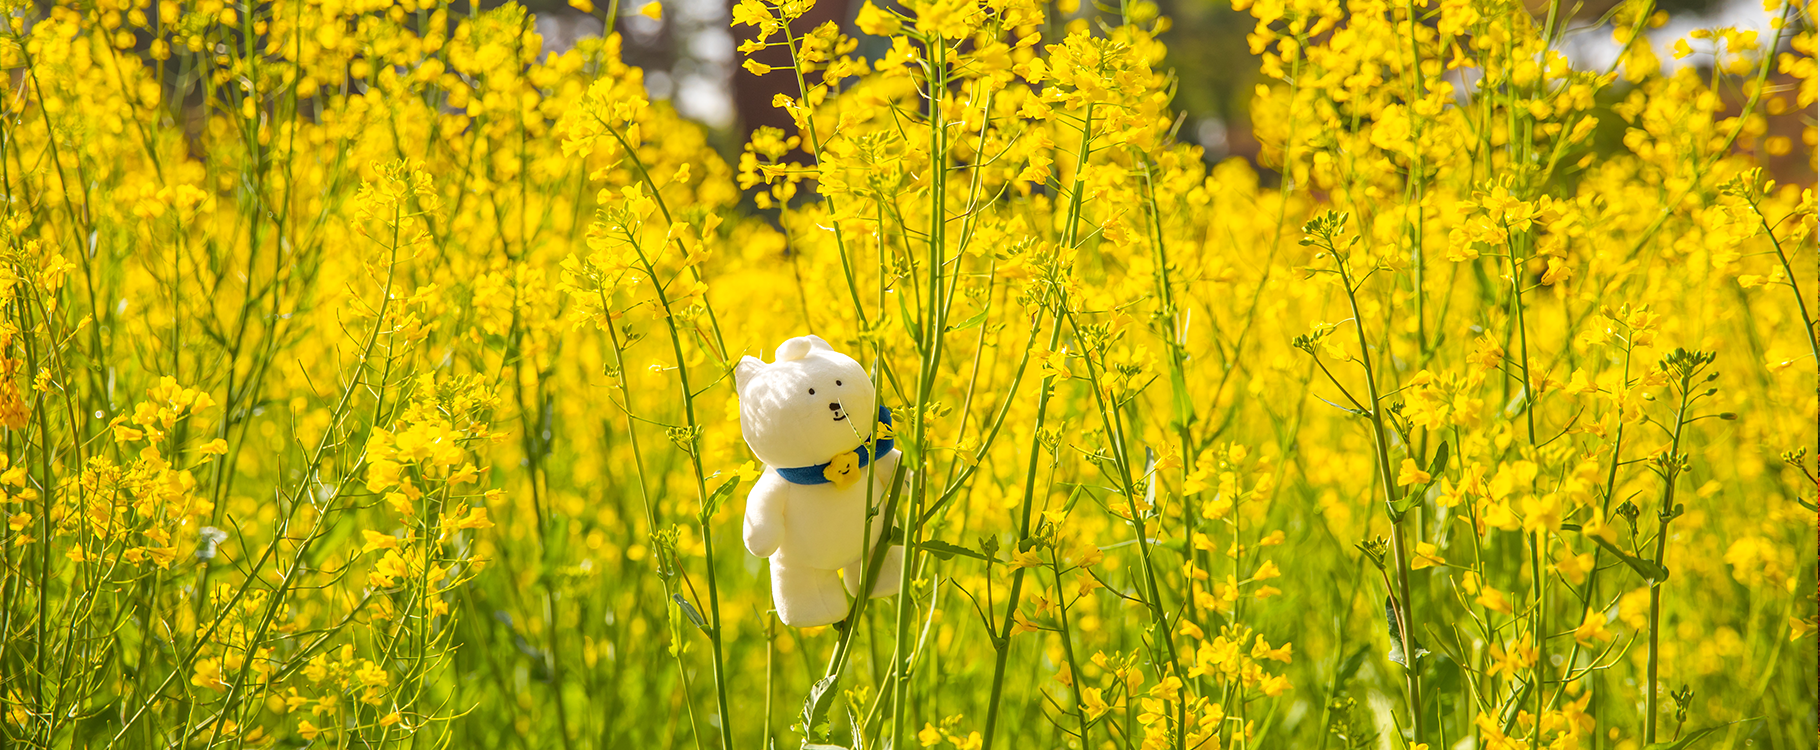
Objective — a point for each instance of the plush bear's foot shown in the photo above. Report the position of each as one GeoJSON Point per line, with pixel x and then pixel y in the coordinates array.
{"type": "Point", "coordinates": [890, 574]}
{"type": "Point", "coordinates": [806, 597]}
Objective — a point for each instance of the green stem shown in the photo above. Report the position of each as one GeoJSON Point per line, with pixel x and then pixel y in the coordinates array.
{"type": "Point", "coordinates": [932, 324]}
{"type": "Point", "coordinates": [1664, 514]}
{"type": "Point", "coordinates": [1001, 641]}
{"type": "Point", "coordinates": [1807, 322]}
{"type": "Point", "coordinates": [1406, 620]}
{"type": "Point", "coordinates": [1074, 667]}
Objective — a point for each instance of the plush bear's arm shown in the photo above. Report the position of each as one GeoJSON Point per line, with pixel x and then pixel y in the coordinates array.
{"type": "Point", "coordinates": [765, 514]}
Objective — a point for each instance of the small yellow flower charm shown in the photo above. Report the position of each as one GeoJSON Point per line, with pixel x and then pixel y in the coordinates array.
{"type": "Point", "coordinates": [843, 470]}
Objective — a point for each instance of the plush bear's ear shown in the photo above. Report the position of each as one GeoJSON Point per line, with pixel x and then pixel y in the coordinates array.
{"type": "Point", "coordinates": [743, 372]}
{"type": "Point", "coordinates": [795, 348]}
{"type": "Point", "coordinates": [799, 347]}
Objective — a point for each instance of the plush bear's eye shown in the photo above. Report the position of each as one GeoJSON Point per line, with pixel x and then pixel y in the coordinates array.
{"type": "Point", "coordinates": [811, 391]}
{"type": "Point", "coordinates": [837, 383]}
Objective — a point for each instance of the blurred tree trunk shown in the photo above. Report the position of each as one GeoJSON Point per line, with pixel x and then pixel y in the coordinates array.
{"type": "Point", "coordinates": [752, 94]}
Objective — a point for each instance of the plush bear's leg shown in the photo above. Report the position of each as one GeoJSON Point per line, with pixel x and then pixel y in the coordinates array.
{"type": "Point", "coordinates": [806, 597]}
{"type": "Point", "coordinates": [890, 574]}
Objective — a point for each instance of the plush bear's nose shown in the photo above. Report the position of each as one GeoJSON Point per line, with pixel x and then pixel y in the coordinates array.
{"type": "Point", "coordinates": [834, 406]}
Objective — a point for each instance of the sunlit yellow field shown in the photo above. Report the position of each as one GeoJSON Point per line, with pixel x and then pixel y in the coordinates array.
{"type": "Point", "coordinates": [367, 382]}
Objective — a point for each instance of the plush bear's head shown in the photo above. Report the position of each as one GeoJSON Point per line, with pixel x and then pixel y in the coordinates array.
{"type": "Point", "coordinates": [806, 407]}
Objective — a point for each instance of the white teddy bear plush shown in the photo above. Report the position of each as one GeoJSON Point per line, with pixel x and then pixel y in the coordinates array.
{"type": "Point", "coordinates": [810, 416]}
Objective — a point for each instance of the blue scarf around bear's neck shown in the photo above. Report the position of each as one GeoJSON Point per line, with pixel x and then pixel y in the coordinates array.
{"type": "Point", "coordinates": [817, 474]}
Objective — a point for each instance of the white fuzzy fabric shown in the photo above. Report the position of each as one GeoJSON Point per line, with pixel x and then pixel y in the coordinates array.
{"type": "Point", "coordinates": [812, 533]}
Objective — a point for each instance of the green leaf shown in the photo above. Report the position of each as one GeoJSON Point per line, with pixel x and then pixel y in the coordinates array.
{"type": "Point", "coordinates": [968, 323]}
{"type": "Point", "coordinates": [916, 331]}
{"type": "Point", "coordinates": [720, 495]}
{"type": "Point", "coordinates": [989, 546]}
{"type": "Point", "coordinates": [688, 609]}
{"type": "Point", "coordinates": [947, 551]}
{"type": "Point", "coordinates": [1397, 652]}
{"type": "Point", "coordinates": [815, 707]}
{"type": "Point", "coordinates": [1403, 504]}
{"type": "Point", "coordinates": [1149, 478]}
{"type": "Point", "coordinates": [1646, 568]}
{"type": "Point", "coordinates": [1074, 496]}
{"type": "Point", "coordinates": [1690, 738]}
{"type": "Point", "coordinates": [1351, 666]}
{"type": "Point", "coordinates": [1439, 464]}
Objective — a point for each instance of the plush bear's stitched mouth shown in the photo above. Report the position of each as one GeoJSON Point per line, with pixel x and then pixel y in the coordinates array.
{"type": "Point", "coordinates": [841, 418]}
